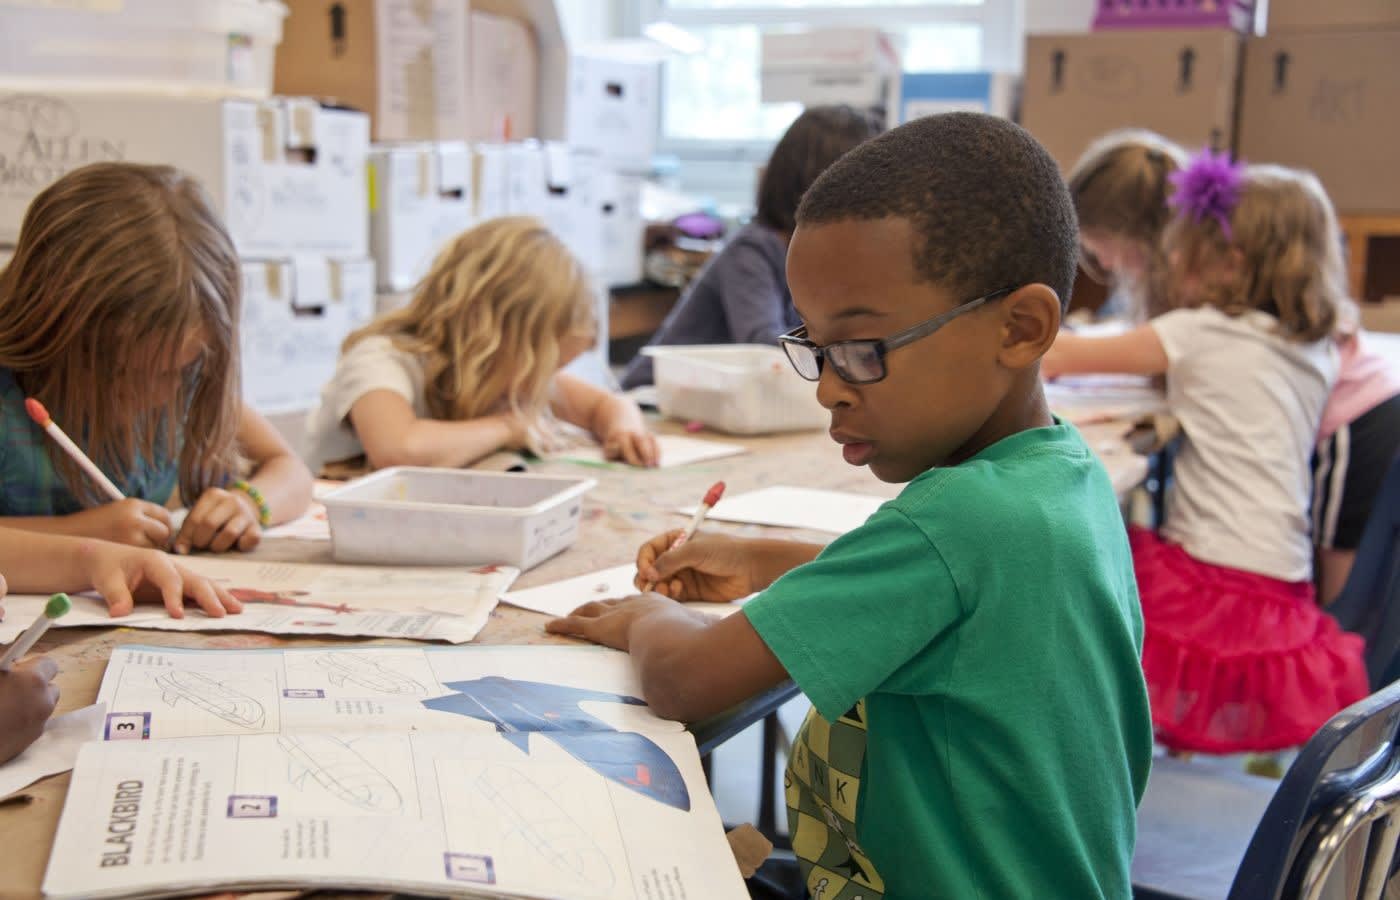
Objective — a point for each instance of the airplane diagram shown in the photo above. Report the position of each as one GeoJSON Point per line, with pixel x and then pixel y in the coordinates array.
{"type": "Point", "coordinates": [212, 696]}
{"type": "Point", "coordinates": [341, 770]}
{"type": "Point", "coordinates": [519, 709]}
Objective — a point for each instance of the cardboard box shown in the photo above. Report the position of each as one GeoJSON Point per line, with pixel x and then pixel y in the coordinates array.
{"type": "Point", "coordinates": [622, 229]}
{"type": "Point", "coordinates": [1182, 84]}
{"type": "Point", "coordinates": [1326, 101]}
{"type": "Point", "coordinates": [1293, 15]}
{"type": "Point", "coordinates": [422, 198]}
{"type": "Point", "coordinates": [614, 108]}
{"type": "Point", "coordinates": [296, 313]}
{"type": "Point", "coordinates": [286, 175]}
{"type": "Point", "coordinates": [504, 81]}
{"type": "Point", "coordinates": [856, 66]}
{"type": "Point", "coordinates": [1240, 15]}
{"type": "Point", "coordinates": [929, 93]}
{"type": "Point", "coordinates": [402, 61]}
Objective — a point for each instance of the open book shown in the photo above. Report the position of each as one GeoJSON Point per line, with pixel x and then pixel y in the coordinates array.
{"type": "Point", "coordinates": [475, 771]}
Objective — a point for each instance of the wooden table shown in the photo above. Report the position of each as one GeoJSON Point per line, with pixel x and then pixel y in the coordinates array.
{"type": "Point", "coordinates": [627, 507]}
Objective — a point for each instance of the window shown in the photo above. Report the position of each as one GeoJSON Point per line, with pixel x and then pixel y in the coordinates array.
{"type": "Point", "coordinates": [712, 96]}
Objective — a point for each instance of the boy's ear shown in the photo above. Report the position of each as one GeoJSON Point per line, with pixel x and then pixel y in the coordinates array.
{"type": "Point", "coordinates": [1030, 322]}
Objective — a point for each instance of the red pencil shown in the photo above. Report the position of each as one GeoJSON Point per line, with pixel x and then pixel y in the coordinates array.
{"type": "Point", "coordinates": [711, 498]}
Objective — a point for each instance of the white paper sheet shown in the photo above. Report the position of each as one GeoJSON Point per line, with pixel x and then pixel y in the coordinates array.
{"type": "Point", "coordinates": [563, 597]}
{"type": "Point", "coordinates": [676, 450]}
{"type": "Point", "coordinates": [56, 749]}
{"type": "Point", "coordinates": [281, 598]}
{"type": "Point", "coordinates": [479, 771]}
{"type": "Point", "coordinates": [793, 507]}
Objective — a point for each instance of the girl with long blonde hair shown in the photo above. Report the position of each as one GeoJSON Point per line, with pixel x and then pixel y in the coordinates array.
{"type": "Point", "coordinates": [1237, 654]}
{"type": "Point", "coordinates": [472, 364]}
{"type": "Point", "coordinates": [119, 312]}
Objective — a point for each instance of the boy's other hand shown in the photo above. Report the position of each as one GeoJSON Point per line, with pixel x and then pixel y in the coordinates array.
{"type": "Point", "coordinates": [27, 698]}
{"type": "Point", "coordinates": [713, 568]}
{"type": "Point", "coordinates": [607, 622]}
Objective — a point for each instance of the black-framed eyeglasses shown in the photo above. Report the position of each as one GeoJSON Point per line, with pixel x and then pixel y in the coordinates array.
{"type": "Point", "coordinates": [863, 361]}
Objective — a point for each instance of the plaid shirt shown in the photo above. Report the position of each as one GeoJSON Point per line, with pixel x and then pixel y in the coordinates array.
{"type": "Point", "coordinates": [29, 484]}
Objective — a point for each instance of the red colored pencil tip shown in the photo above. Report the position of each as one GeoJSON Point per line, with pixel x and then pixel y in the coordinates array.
{"type": "Point", "coordinates": [712, 497]}
{"type": "Point", "coordinates": [37, 412]}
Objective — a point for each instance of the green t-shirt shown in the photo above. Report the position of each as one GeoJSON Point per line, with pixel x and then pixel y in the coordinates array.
{"type": "Point", "coordinates": [973, 654]}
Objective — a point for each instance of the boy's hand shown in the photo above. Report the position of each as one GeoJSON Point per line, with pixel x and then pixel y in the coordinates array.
{"type": "Point", "coordinates": [711, 567]}
{"type": "Point", "coordinates": [636, 447]}
{"type": "Point", "coordinates": [129, 521]}
{"type": "Point", "coordinates": [219, 521]}
{"type": "Point", "coordinates": [123, 575]}
{"type": "Point", "coordinates": [27, 698]}
{"type": "Point", "coordinates": [607, 622]}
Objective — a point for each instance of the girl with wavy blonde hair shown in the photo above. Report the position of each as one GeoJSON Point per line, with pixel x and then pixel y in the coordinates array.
{"type": "Point", "coordinates": [119, 313]}
{"type": "Point", "coordinates": [1237, 654]}
{"type": "Point", "coordinates": [472, 364]}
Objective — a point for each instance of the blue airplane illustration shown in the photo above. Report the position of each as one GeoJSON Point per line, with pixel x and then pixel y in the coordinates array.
{"type": "Point", "coordinates": [521, 708]}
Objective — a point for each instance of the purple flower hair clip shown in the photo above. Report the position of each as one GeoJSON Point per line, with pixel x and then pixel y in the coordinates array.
{"type": "Point", "coordinates": [1208, 186]}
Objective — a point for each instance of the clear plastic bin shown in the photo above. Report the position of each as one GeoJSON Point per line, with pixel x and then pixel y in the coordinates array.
{"type": "Point", "coordinates": [439, 517]}
{"type": "Point", "coordinates": [738, 388]}
{"type": "Point", "coordinates": [228, 45]}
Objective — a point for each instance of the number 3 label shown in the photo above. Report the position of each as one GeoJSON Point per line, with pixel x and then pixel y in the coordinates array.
{"type": "Point", "coordinates": [127, 727]}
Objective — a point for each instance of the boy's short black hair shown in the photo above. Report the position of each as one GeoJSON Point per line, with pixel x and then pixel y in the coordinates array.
{"type": "Point", "coordinates": [986, 200]}
{"type": "Point", "coordinates": [815, 140]}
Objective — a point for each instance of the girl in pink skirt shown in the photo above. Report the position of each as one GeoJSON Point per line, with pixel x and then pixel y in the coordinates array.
{"type": "Point", "coordinates": [1237, 654]}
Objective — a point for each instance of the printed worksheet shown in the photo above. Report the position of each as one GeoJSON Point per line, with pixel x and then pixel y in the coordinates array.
{"type": "Point", "coordinates": [434, 604]}
{"type": "Point", "coordinates": [474, 771]}
{"type": "Point", "coordinates": [563, 597]}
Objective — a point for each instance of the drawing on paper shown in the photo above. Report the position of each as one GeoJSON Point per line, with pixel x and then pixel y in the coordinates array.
{"type": "Point", "coordinates": [532, 816]}
{"type": "Point", "coordinates": [521, 708]}
{"type": "Point", "coordinates": [341, 770]}
{"type": "Point", "coordinates": [212, 696]}
{"type": "Point", "coordinates": [367, 673]}
{"type": "Point", "coordinates": [288, 598]}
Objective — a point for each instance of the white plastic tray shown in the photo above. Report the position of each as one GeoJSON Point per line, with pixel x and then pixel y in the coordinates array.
{"type": "Point", "coordinates": [738, 388]}
{"type": "Point", "coordinates": [430, 517]}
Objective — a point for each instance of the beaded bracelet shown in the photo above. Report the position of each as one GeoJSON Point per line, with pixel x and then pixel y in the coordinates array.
{"type": "Point", "coordinates": [264, 511]}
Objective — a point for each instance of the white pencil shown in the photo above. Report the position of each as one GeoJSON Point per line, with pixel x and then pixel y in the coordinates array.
{"type": "Point", "coordinates": [58, 605]}
{"type": "Point", "coordinates": [41, 417]}
{"type": "Point", "coordinates": [711, 498]}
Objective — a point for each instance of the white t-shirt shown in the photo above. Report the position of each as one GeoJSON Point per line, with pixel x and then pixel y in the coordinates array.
{"type": "Point", "coordinates": [373, 364]}
{"type": "Point", "coordinates": [1249, 402]}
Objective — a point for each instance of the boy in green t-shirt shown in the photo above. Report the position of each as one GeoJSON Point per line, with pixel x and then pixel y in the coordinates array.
{"type": "Point", "coordinates": [981, 725]}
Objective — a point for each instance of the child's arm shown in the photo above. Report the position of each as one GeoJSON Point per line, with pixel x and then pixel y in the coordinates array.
{"type": "Point", "coordinates": [671, 645]}
{"type": "Point", "coordinates": [717, 568]}
{"type": "Point", "coordinates": [675, 649]}
{"type": "Point", "coordinates": [613, 419]}
{"type": "Point", "coordinates": [224, 518]}
{"type": "Point", "coordinates": [27, 698]}
{"type": "Point", "coordinates": [1139, 352]}
{"type": "Point", "coordinates": [43, 563]}
{"type": "Point", "coordinates": [139, 523]}
{"type": "Point", "coordinates": [393, 435]}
